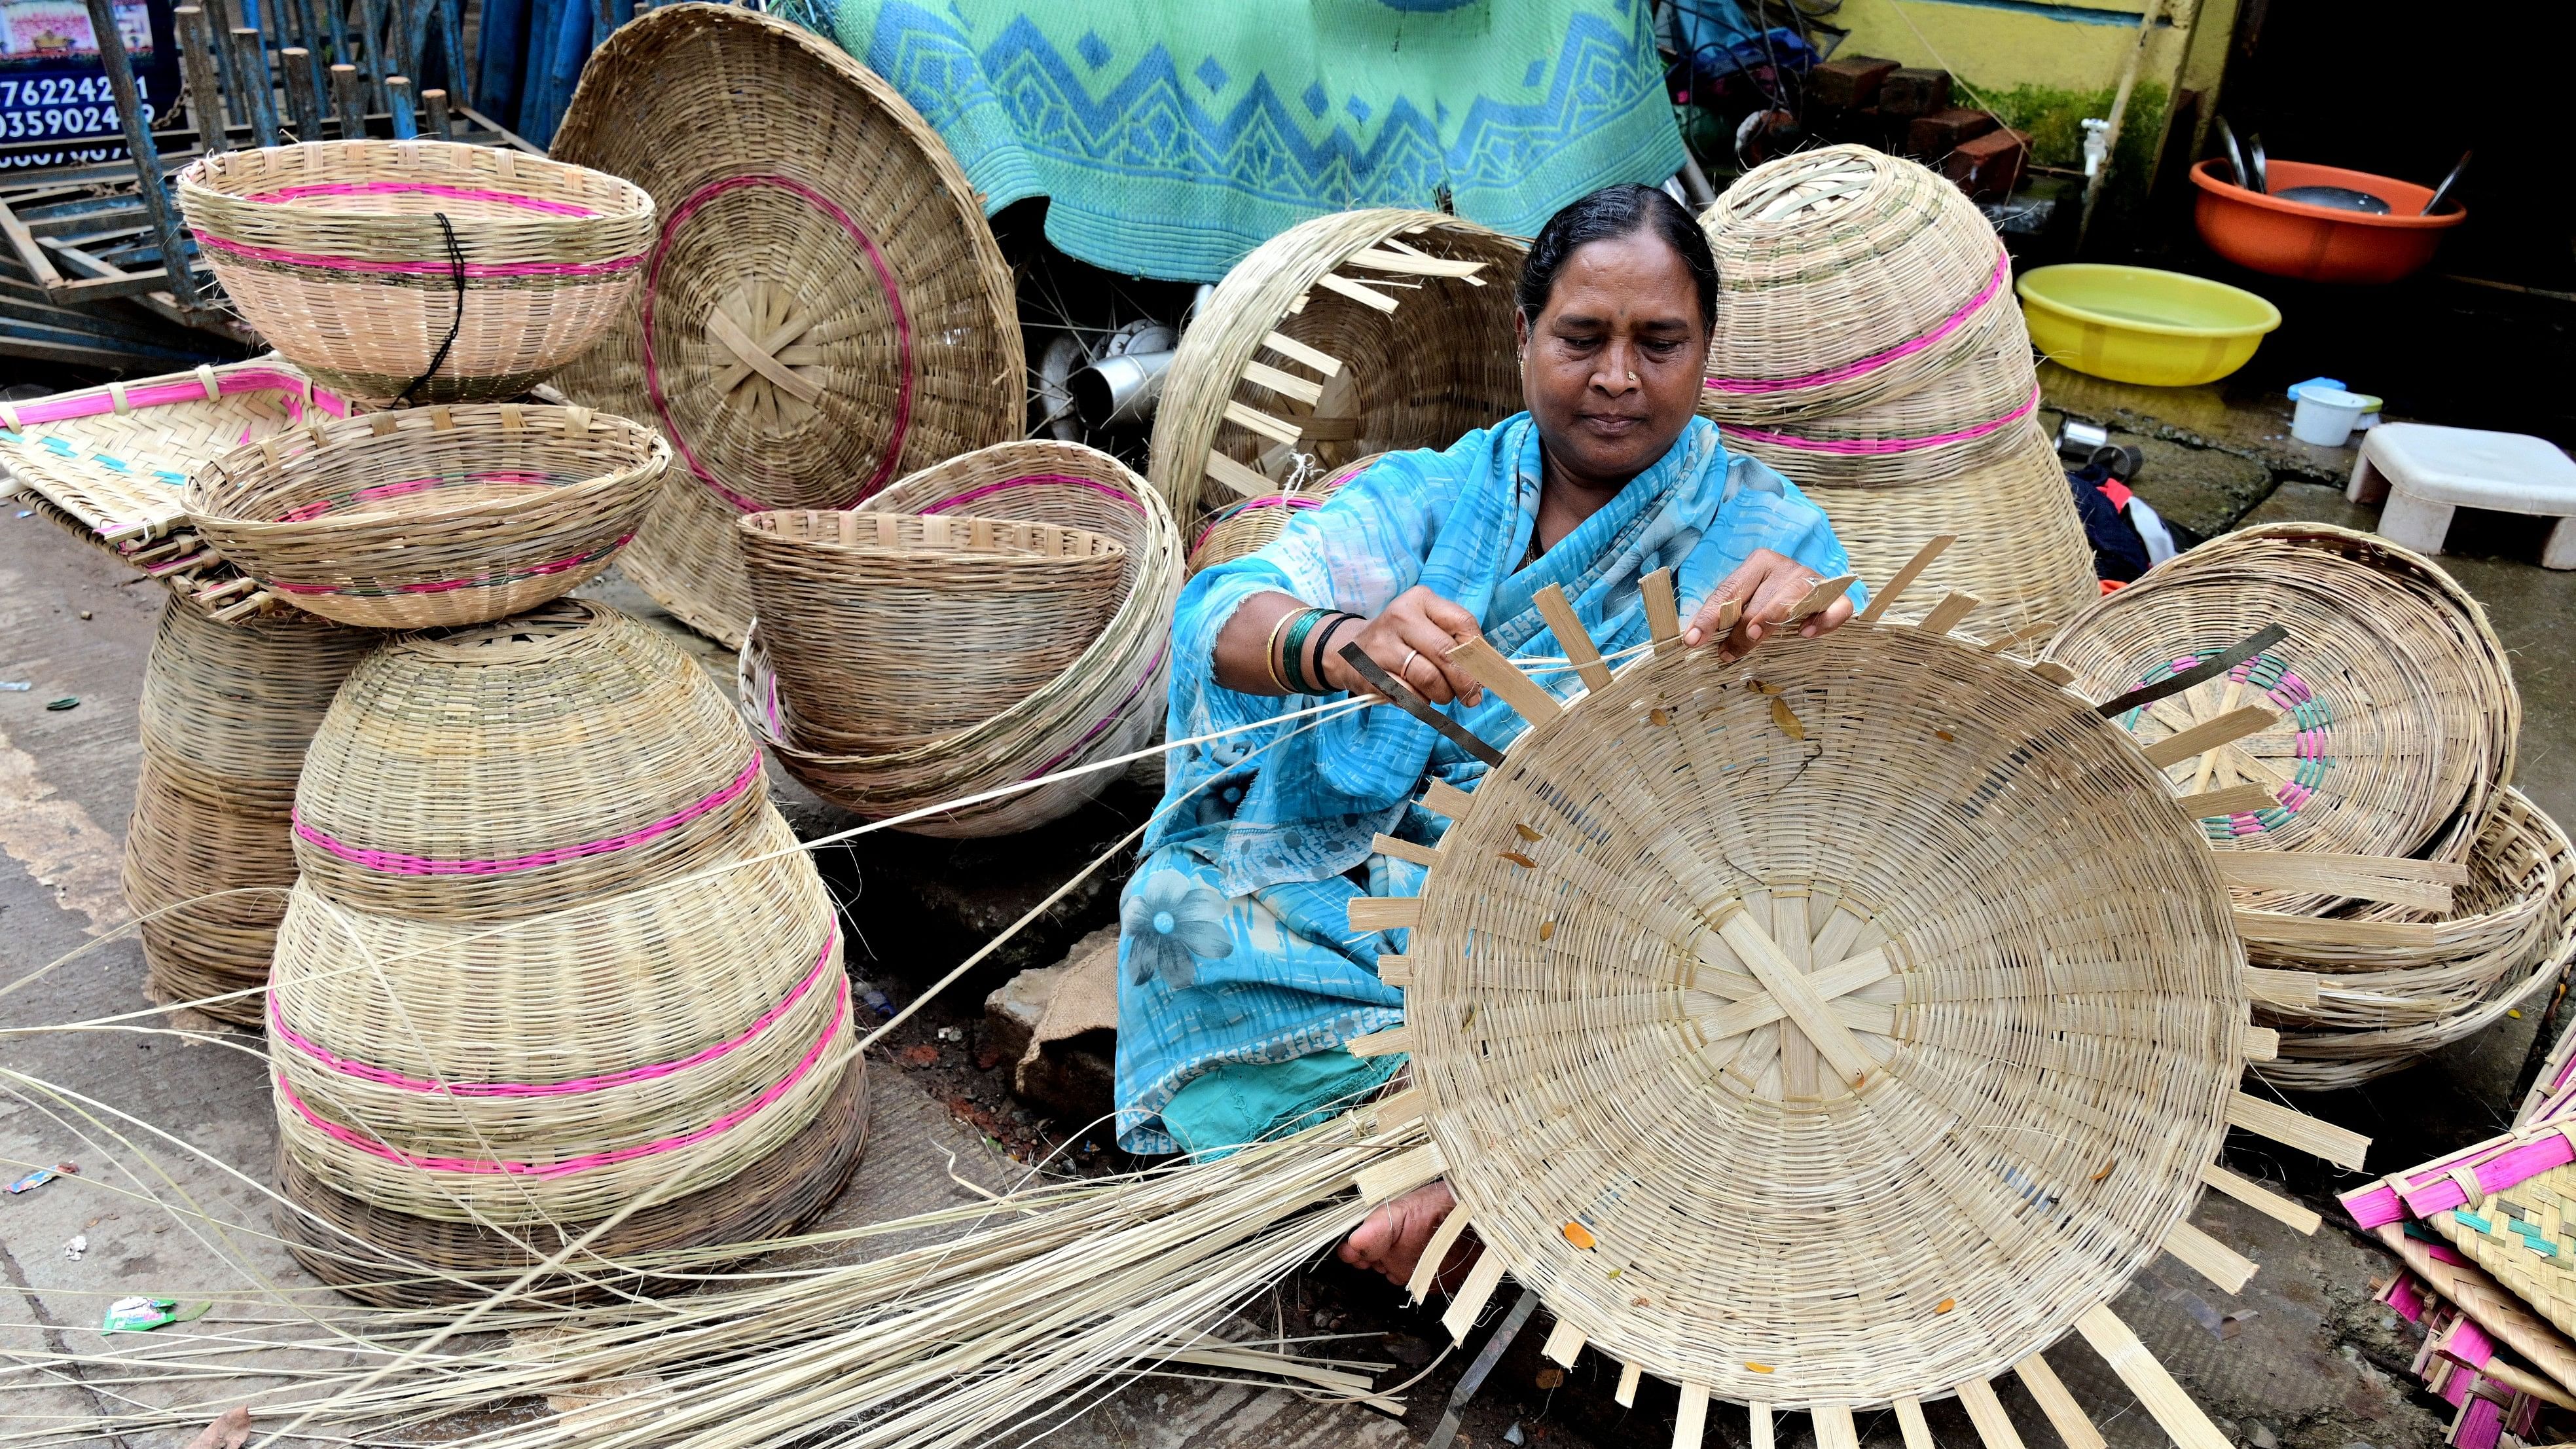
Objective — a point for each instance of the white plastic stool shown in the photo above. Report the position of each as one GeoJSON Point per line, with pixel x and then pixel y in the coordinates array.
{"type": "Point", "coordinates": [2427, 472]}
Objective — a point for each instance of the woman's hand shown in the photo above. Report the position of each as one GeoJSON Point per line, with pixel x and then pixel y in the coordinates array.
{"type": "Point", "coordinates": [1768, 585]}
{"type": "Point", "coordinates": [1411, 641]}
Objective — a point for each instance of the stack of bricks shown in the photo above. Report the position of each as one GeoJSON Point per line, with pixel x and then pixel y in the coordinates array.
{"type": "Point", "coordinates": [1906, 109]}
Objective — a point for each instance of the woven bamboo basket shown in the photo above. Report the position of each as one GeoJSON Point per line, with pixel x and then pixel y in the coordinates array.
{"type": "Point", "coordinates": [2392, 695]}
{"type": "Point", "coordinates": [1108, 702]}
{"type": "Point", "coordinates": [435, 516]}
{"type": "Point", "coordinates": [2020, 553]}
{"type": "Point", "coordinates": [1962, 421]}
{"type": "Point", "coordinates": [1248, 525]}
{"type": "Point", "coordinates": [1354, 333]}
{"type": "Point", "coordinates": [1847, 278]}
{"type": "Point", "coordinates": [2521, 1236]}
{"type": "Point", "coordinates": [210, 883]}
{"type": "Point", "coordinates": [1727, 943]}
{"type": "Point", "coordinates": [871, 332]}
{"type": "Point", "coordinates": [514, 768]}
{"type": "Point", "coordinates": [115, 460]}
{"type": "Point", "coordinates": [394, 1259]}
{"type": "Point", "coordinates": [847, 599]}
{"type": "Point", "coordinates": [451, 1070]}
{"type": "Point", "coordinates": [419, 271]}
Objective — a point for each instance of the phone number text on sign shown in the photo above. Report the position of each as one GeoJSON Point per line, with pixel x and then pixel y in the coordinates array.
{"type": "Point", "coordinates": [63, 105]}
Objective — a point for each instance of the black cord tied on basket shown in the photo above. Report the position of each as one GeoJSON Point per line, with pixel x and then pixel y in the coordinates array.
{"type": "Point", "coordinates": [456, 324]}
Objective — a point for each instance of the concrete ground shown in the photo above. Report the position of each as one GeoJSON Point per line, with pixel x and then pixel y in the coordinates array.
{"type": "Point", "coordinates": [2302, 1358]}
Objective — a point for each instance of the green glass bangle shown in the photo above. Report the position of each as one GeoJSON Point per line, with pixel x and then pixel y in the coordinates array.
{"type": "Point", "coordinates": [1292, 659]}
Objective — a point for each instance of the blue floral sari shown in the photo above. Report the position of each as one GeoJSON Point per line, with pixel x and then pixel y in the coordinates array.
{"type": "Point", "coordinates": [1239, 976]}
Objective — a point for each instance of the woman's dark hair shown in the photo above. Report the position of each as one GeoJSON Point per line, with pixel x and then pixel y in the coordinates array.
{"type": "Point", "coordinates": [1612, 212]}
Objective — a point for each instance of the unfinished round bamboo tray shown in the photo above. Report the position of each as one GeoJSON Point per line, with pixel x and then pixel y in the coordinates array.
{"type": "Point", "coordinates": [1877, 918]}
{"type": "Point", "coordinates": [2020, 550]}
{"type": "Point", "coordinates": [1847, 278]}
{"type": "Point", "coordinates": [2390, 696]}
{"type": "Point", "coordinates": [468, 1070]}
{"type": "Point", "coordinates": [1249, 525]}
{"type": "Point", "coordinates": [514, 768]}
{"type": "Point", "coordinates": [824, 309]}
{"type": "Point", "coordinates": [432, 516]}
{"type": "Point", "coordinates": [397, 1260]}
{"type": "Point", "coordinates": [1354, 333]}
{"type": "Point", "coordinates": [1108, 702]}
{"type": "Point", "coordinates": [1963, 420]}
{"type": "Point", "coordinates": [209, 882]}
{"type": "Point", "coordinates": [847, 599]}
{"type": "Point", "coordinates": [419, 271]}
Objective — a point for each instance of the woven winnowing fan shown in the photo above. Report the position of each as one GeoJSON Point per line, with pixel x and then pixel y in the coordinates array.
{"type": "Point", "coordinates": [1830, 1029]}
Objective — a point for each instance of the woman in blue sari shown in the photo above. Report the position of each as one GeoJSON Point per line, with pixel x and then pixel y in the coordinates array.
{"type": "Point", "coordinates": [1240, 979]}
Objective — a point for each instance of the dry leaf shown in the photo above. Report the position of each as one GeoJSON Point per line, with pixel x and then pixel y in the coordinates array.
{"type": "Point", "coordinates": [1788, 722]}
{"type": "Point", "coordinates": [228, 1432]}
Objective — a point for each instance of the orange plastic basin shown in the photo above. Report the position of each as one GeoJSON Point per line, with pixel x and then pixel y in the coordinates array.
{"type": "Point", "coordinates": [2318, 243]}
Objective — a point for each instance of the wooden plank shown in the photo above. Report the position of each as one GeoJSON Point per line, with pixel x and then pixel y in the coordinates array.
{"type": "Point", "coordinates": [1913, 569]}
{"type": "Point", "coordinates": [1286, 384]}
{"type": "Point", "coordinates": [1626, 1394]}
{"type": "Point", "coordinates": [1444, 799]}
{"type": "Point", "coordinates": [2234, 800]}
{"type": "Point", "coordinates": [1422, 855]}
{"type": "Point", "coordinates": [1797, 997]}
{"type": "Point", "coordinates": [1365, 296]}
{"type": "Point", "coordinates": [2262, 1199]}
{"type": "Point", "coordinates": [1564, 1344]}
{"type": "Point", "coordinates": [1279, 429]}
{"type": "Point", "coordinates": [1572, 637]}
{"type": "Point", "coordinates": [1248, 481]}
{"type": "Point", "coordinates": [1759, 1416]}
{"type": "Point", "coordinates": [2065, 1415]}
{"type": "Point", "coordinates": [1690, 1416]}
{"type": "Point", "coordinates": [1994, 1426]}
{"type": "Point", "coordinates": [2222, 1265]}
{"type": "Point", "coordinates": [1489, 668]}
{"type": "Point", "coordinates": [1481, 1282]}
{"type": "Point", "coordinates": [1663, 610]}
{"type": "Point", "coordinates": [1954, 606]}
{"type": "Point", "coordinates": [2209, 734]}
{"type": "Point", "coordinates": [1834, 1427]}
{"type": "Point", "coordinates": [2293, 1128]}
{"type": "Point", "coordinates": [1298, 352]}
{"type": "Point", "coordinates": [2163, 1399]}
{"type": "Point", "coordinates": [1909, 1423]}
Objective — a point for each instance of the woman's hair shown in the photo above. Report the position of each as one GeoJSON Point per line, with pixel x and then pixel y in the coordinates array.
{"type": "Point", "coordinates": [1609, 213]}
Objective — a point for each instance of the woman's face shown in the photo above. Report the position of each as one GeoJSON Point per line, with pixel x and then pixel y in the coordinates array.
{"type": "Point", "coordinates": [1611, 369]}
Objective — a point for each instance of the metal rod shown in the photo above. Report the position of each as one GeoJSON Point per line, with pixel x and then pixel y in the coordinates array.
{"type": "Point", "coordinates": [349, 101]}
{"type": "Point", "coordinates": [433, 105]}
{"type": "Point", "coordinates": [147, 157]}
{"type": "Point", "coordinates": [398, 102]}
{"type": "Point", "coordinates": [303, 102]}
{"type": "Point", "coordinates": [205, 84]}
{"type": "Point", "coordinates": [259, 92]}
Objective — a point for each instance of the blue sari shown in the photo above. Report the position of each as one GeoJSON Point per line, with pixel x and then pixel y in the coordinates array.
{"type": "Point", "coordinates": [1239, 977]}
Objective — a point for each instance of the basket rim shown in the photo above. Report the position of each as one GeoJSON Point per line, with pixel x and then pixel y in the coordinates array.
{"type": "Point", "coordinates": [244, 169]}
{"type": "Point", "coordinates": [1100, 547]}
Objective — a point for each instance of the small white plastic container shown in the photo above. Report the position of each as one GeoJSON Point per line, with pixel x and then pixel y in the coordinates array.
{"type": "Point", "coordinates": [2326, 415]}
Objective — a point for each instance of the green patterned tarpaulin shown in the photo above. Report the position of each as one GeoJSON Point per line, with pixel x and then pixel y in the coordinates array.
{"type": "Point", "coordinates": [1173, 136]}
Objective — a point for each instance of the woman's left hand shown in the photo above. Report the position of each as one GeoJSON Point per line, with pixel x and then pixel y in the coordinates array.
{"type": "Point", "coordinates": [1768, 585]}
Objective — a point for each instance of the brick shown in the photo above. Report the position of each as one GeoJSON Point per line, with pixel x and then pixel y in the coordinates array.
{"type": "Point", "coordinates": [1847, 83]}
{"type": "Point", "coordinates": [1934, 136]}
{"type": "Point", "coordinates": [1909, 91]}
{"type": "Point", "coordinates": [1988, 167]}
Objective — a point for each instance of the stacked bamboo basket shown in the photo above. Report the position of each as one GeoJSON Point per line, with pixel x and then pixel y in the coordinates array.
{"type": "Point", "coordinates": [2379, 857]}
{"type": "Point", "coordinates": [1869, 347]}
{"type": "Point", "coordinates": [1249, 525]}
{"type": "Point", "coordinates": [870, 332]}
{"type": "Point", "coordinates": [1075, 654]}
{"type": "Point", "coordinates": [553, 955]}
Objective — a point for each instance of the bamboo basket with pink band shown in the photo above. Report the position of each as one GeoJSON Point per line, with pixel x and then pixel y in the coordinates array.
{"type": "Point", "coordinates": [1847, 278]}
{"type": "Point", "coordinates": [870, 333]}
{"type": "Point", "coordinates": [418, 271]}
{"type": "Point", "coordinates": [226, 711]}
{"type": "Point", "coordinates": [1250, 524]}
{"type": "Point", "coordinates": [1107, 702]}
{"type": "Point", "coordinates": [431, 516]}
{"type": "Point", "coordinates": [1961, 421]}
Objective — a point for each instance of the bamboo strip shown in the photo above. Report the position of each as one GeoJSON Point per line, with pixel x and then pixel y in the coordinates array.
{"type": "Point", "coordinates": [2208, 735]}
{"type": "Point", "coordinates": [1945, 615]}
{"type": "Point", "coordinates": [1385, 913]}
{"type": "Point", "coordinates": [1994, 1426]}
{"type": "Point", "coordinates": [2163, 1399]}
{"type": "Point", "coordinates": [1573, 638]}
{"type": "Point", "coordinates": [1880, 602]}
{"type": "Point", "coordinates": [2065, 1415]}
{"type": "Point", "coordinates": [1909, 1423]}
{"type": "Point", "coordinates": [2293, 1128]}
{"type": "Point", "coordinates": [1489, 668]}
{"type": "Point", "coordinates": [2260, 1198]}
{"type": "Point", "coordinates": [1423, 855]}
{"type": "Point", "coordinates": [1690, 1416]}
{"type": "Point", "coordinates": [2210, 1258]}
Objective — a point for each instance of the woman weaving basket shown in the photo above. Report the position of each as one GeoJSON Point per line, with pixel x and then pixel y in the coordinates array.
{"type": "Point", "coordinates": [1239, 976]}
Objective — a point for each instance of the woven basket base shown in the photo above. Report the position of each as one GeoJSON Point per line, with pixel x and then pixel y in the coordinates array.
{"type": "Point", "coordinates": [384, 387]}
{"type": "Point", "coordinates": [772, 1197]}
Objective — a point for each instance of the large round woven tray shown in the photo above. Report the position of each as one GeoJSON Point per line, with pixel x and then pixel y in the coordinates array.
{"type": "Point", "coordinates": [513, 768]}
{"type": "Point", "coordinates": [379, 1256]}
{"type": "Point", "coordinates": [337, 253]}
{"type": "Point", "coordinates": [1959, 422]}
{"type": "Point", "coordinates": [847, 600]}
{"type": "Point", "coordinates": [1106, 703]}
{"type": "Point", "coordinates": [2020, 552]}
{"type": "Point", "coordinates": [2392, 694]}
{"type": "Point", "coordinates": [1846, 278]}
{"type": "Point", "coordinates": [210, 883]}
{"type": "Point", "coordinates": [824, 309]}
{"type": "Point", "coordinates": [1830, 1029]}
{"type": "Point", "coordinates": [1354, 333]}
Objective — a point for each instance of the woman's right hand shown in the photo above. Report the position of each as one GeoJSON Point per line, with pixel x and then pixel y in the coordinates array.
{"type": "Point", "coordinates": [1411, 640]}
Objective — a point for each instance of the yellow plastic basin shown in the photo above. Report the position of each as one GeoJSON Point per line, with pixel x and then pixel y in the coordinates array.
{"type": "Point", "coordinates": [2137, 324]}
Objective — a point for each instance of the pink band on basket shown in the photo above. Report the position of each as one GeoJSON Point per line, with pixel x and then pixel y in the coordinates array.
{"type": "Point", "coordinates": [344, 1066]}
{"type": "Point", "coordinates": [419, 188]}
{"type": "Point", "coordinates": [2420, 1192]}
{"type": "Point", "coordinates": [1275, 500]}
{"type": "Point", "coordinates": [727, 1122]}
{"type": "Point", "coordinates": [1025, 480]}
{"type": "Point", "coordinates": [441, 586]}
{"type": "Point", "coordinates": [321, 506]}
{"type": "Point", "coordinates": [1872, 363]}
{"type": "Point", "coordinates": [161, 394]}
{"type": "Point", "coordinates": [696, 201]}
{"type": "Point", "coordinates": [399, 864]}
{"type": "Point", "coordinates": [1864, 446]}
{"type": "Point", "coordinates": [438, 268]}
